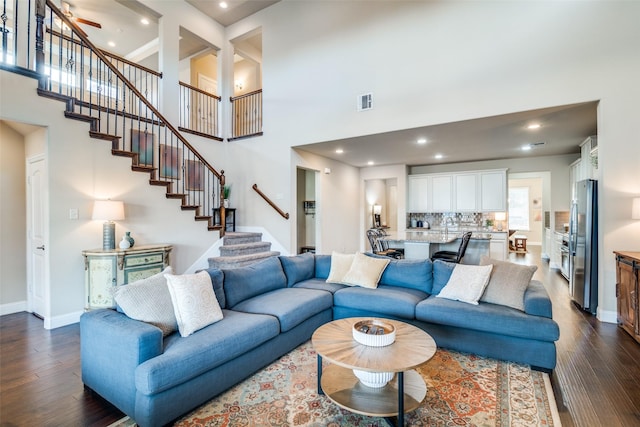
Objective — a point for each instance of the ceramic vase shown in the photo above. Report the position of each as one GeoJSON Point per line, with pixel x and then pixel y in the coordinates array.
{"type": "Point", "coordinates": [124, 243]}
{"type": "Point", "coordinates": [129, 238]}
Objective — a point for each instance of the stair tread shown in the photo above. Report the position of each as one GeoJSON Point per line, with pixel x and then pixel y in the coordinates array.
{"type": "Point", "coordinates": [122, 153]}
{"type": "Point", "coordinates": [246, 245]}
{"type": "Point", "coordinates": [257, 255]}
{"type": "Point", "coordinates": [105, 136]}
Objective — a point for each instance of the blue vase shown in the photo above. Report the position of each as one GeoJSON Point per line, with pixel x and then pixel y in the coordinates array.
{"type": "Point", "coordinates": [129, 238]}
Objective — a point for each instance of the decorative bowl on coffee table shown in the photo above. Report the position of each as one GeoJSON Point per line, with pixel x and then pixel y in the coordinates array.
{"type": "Point", "coordinates": [374, 332]}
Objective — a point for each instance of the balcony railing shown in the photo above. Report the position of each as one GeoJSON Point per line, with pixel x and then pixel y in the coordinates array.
{"type": "Point", "coordinates": [247, 115]}
{"type": "Point", "coordinates": [199, 112]}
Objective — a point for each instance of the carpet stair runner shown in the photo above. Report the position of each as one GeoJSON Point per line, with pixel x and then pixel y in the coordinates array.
{"type": "Point", "coordinates": [241, 249]}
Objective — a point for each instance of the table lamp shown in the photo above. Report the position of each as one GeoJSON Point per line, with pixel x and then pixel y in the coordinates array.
{"type": "Point", "coordinates": [109, 211]}
{"type": "Point", "coordinates": [500, 216]}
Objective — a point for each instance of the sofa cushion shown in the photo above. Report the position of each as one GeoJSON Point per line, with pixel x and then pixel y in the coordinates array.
{"type": "Point", "coordinates": [507, 283]}
{"type": "Point", "coordinates": [365, 271]}
{"type": "Point", "coordinates": [323, 266]}
{"type": "Point", "coordinates": [298, 268]}
{"type": "Point", "coordinates": [186, 358]}
{"type": "Point", "coordinates": [467, 283]}
{"type": "Point", "coordinates": [291, 306]}
{"type": "Point", "coordinates": [217, 280]}
{"type": "Point", "coordinates": [246, 282]}
{"type": "Point", "coordinates": [441, 272]}
{"type": "Point", "coordinates": [496, 319]}
{"type": "Point", "coordinates": [537, 301]}
{"type": "Point", "coordinates": [319, 284]}
{"type": "Point", "coordinates": [407, 273]}
{"type": "Point", "coordinates": [387, 300]}
{"type": "Point", "coordinates": [340, 265]}
{"type": "Point", "coordinates": [148, 300]}
{"type": "Point", "coordinates": [194, 302]}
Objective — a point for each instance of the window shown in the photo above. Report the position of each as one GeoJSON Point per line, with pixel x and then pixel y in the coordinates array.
{"type": "Point", "coordinates": [519, 208]}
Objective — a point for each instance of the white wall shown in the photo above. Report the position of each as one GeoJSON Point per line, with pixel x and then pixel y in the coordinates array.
{"type": "Point", "coordinates": [13, 227]}
{"type": "Point", "coordinates": [452, 61]}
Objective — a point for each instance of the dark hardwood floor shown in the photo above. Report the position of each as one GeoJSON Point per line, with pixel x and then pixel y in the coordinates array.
{"type": "Point", "coordinates": [596, 382]}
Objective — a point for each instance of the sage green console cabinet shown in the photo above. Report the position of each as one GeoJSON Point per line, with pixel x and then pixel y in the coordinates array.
{"type": "Point", "coordinates": [106, 268]}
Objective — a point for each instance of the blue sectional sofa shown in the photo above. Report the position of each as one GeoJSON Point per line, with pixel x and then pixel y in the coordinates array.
{"type": "Point", "coordinates": [274, 306]}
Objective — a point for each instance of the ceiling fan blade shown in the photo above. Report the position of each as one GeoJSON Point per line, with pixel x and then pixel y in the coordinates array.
{"type": "Point", "coordinates": [86, 22]}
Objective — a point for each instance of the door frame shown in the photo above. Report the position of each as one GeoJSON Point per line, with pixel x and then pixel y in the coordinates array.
{"type": "Point", "coordinates": [45, 274]}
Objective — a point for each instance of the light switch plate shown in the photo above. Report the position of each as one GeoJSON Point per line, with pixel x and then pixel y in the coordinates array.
{"type": "Point", "coordinates": [73, 213]}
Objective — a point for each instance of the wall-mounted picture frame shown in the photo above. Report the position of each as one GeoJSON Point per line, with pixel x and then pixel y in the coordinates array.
{"type": "Point", "coordinates": [142, 144]}
{"type": "Point", "coordinates": [194, 175]}
{"type": "Point", "coordinates": [169, 162]}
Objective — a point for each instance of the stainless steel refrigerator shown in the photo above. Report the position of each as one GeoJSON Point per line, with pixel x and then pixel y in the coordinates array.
{"type": "Point", "coordinates": [583, 246]}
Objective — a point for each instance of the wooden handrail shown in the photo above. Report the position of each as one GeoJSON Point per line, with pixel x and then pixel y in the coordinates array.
{"type": "Point", "coordinates": [130, 85]}
{"type": "Point", "coordinates": [244, 95]}
{"type": "Point", "coordinates": [106, 52]}
{"type": "Point", "coordinates": [196, 89]}
{"type": "Point", "coordinates": [273, 205]}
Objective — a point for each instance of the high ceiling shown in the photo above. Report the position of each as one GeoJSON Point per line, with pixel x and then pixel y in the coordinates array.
{"type": "Point", "coordinates": [562, 128]}
{"type": "Point", "coordinates": [561, 131]}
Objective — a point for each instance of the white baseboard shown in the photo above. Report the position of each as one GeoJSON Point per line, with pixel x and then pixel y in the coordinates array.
{"type": "Point", "coordinates": [13, 307]}
{"type": "Point", "coordinates": [54, 322]}
{"type": "Point", "coordinates": [607, 316]}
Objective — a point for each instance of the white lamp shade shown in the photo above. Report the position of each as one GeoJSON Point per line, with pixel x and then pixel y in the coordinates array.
{"type": "Point", "coordinates": [108, 210]}
{"type": "Point", "coordinates": [501, 216]}
{"type": "Point", "coordinates": [377, 209]}
{"type": "Point", "coordinates": [635, 208]}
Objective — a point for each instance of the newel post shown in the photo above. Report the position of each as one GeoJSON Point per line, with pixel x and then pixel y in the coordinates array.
{"type": "Point", "coordinates": [223, 211]}
{"type": "Point", "coordinates": [40, 14]}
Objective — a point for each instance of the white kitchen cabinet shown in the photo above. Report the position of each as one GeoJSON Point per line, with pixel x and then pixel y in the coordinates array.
{"type": "Point", "coordinates": [498, 246]}
{"type": "Point", "coordinates": [466, 192]}
{"type": "Point", "coordinates": [418, 193]}
{"type": "Point", "coordinates": [556, 251]}
{"type": "Point", "coordinates": [106, 268]}
{"type": "Point", "coordinates": [441, 193]}
{"type": "Point", "coordinates": [575, 171]}
{"type": "Point", "coordinates": [493, 190]}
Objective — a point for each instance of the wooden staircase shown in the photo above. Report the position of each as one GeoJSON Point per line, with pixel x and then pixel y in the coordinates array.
{"type": "Point", "coordinates": [242, 249]}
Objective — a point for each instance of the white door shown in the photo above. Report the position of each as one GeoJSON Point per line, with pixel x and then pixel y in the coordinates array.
{"type": "Point", "coordinates": [36, 207]}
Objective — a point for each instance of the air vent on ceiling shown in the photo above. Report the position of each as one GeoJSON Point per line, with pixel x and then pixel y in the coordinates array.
{"type": "Point", "coordinates": [365, 102]}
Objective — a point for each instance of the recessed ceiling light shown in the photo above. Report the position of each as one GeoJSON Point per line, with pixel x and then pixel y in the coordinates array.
{"type": "Point", "coordinates": [223, 4]}
{"type": "Point", "coordinates": [526, 147]}
{"type": "Point", "coordinates": [422, 141]}
{"type": "Point", "coordinates": [438, 156]}
{"type": "Point", "coordinates": [534, 126]}
{"type": "Point", "coordinates": [112, 44]}
{"type": "Point", "coordinates": [339, 151]}
{"type": "Point", "coordinates": [144, 21]}
{"type": "Point", "coordinates": [370, 162]}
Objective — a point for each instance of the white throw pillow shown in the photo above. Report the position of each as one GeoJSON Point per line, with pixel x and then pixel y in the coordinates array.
{"type": "Point", "coordinates": [365, 271]}
{"type": "Point", "coordinates": [467, 283]}
{"type": "Point", "coordinates": [194, 301]}
{"type": "Point", "coordinates": [508, 282]}
{"type": "Point", "coordinates": [148, 300]}
{"type": "Point", "coordinates": [340, 265]}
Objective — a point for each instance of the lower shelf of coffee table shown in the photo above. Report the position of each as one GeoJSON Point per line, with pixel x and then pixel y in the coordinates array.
{"type": "Point", "coordinates": [345, 390]}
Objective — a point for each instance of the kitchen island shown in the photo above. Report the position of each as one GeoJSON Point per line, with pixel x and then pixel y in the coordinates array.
{"type": "Point", "coordinates": [421, 244]}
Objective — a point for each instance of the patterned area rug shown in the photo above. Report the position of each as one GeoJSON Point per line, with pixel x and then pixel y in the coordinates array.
{"type": "Point", "coordinates": [463, 390]}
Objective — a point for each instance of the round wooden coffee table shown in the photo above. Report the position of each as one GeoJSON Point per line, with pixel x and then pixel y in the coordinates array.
{"type": "Point", "coordinates": [413, 347]}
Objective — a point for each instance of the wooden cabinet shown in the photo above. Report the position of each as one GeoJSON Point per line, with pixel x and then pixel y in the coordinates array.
{"type": "Point", "coordinates": [441, 193]}
{"type": "Point", "coordinates": [627, 274]}
{"type": "Point", "coordinates": [493, 190]}
{"type": "Point", "coordinates": [466, 192]}
{"type": "Point", "coordinates": [106, 268]}
{"type": "Point", "coordinates": [498, 246]}
{"type": "Point", "coordinates": [418, 193]}
{"type": "Point", "coordinates": [471, 191]}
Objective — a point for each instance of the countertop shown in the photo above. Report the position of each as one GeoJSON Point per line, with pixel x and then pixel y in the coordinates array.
{"type": "Point", "coordinates": [432, 236]}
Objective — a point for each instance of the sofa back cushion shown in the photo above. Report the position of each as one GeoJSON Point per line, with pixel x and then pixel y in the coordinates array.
{"type": "Point", "coordinates": [441, 273]}
{"type": "Point", "coordinates": [217, 280]}
{"type": "Point", "coordinates": [323, 266]}
{"type": "Point", "coordinates": [408, 273]}
{"type": "Point", "coordinates": [298, 268]}
{"type": "Point", "coordinates": [246, 282]}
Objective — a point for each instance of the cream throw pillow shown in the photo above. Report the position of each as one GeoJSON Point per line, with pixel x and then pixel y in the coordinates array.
{"type": "Point", "coordinates": [508, 282]}
{"type": "Point", "coordinates": [148, 300]}
{"type": "Point", "coordinates": [340, 265]}
{"type": "Point", "coordinates": [194, 301]}
{"type": "Point", "coordinates": [365, 271]}
{"type": "Point", "coordinates": [467, 283]}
